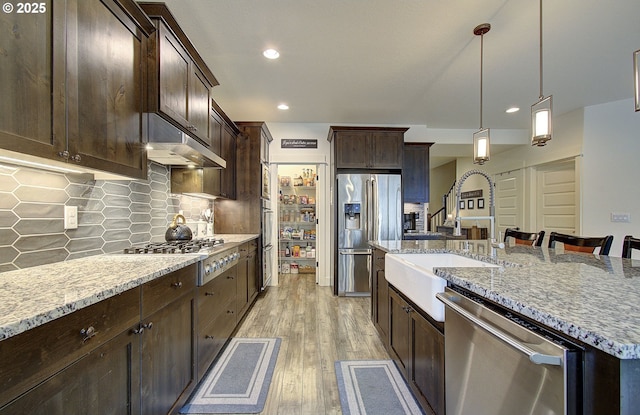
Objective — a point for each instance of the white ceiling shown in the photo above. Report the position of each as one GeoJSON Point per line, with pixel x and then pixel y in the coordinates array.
{"type": "Point", "coordinates": [411, 62]}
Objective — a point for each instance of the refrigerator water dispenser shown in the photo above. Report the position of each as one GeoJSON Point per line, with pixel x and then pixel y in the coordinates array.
{"type": "Point", "coordinates": [352, 215]}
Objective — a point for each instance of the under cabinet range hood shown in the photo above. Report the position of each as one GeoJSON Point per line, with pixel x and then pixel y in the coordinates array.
{"type": "Point", "coordinates": [203, 183]}
{"type": "Point", "coordinates": [170, 146]}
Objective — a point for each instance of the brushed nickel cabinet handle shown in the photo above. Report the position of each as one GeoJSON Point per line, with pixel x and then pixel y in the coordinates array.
{"type": "Point", "coordinates": [177, 284]}
{"type": "Point", "coordinates": [88, 333]}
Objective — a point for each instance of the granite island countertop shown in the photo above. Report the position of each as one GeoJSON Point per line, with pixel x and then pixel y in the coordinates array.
{"type": "Point", "coordinates": [33, 296]}
{"type": "Point", "coordinates": [591, 298]}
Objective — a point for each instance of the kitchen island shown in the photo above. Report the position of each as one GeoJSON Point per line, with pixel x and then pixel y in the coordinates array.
{"type": "Point", "coordinates": [586, 298]}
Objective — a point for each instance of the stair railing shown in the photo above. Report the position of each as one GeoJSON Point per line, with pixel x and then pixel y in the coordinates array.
{"type": "Point", "coordinates": [439, 217]}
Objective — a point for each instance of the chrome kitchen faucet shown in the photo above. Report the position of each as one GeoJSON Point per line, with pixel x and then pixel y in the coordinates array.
{"type": "Point", "coordinates": [492, 210]}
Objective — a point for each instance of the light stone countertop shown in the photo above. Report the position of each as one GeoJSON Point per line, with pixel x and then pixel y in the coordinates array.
{"type": "Point", "coordinates": [594, 299]}
{"type": "Point", "coordinates": [33, 296]}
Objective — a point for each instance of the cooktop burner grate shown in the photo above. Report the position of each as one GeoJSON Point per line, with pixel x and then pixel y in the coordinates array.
{"type": "Point", "coordinates": [174, 247]}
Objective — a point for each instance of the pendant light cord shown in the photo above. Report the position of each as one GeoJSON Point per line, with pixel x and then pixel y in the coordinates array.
{"type": "Point", "coordinates": [481, 65]}
{"type": "Point", "coordinates": [541, 95]}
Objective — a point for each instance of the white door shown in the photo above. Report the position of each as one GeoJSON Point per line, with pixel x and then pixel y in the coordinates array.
{"type": "Point", "coordinates": [556, 208]}
{"type": "Point", "coordinates": [509, 205]}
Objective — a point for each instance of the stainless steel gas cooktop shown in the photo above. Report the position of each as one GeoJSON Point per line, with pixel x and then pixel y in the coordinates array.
{"type": "Point", "coordinates": [176, 247]}
{"type": "Point", "coordinates": [214, 261]}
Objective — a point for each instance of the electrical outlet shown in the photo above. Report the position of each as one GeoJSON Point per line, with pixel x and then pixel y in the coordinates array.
{"type": "Point", "coordinates": [71, 217]}
{"type": "Point", "coordinates": [621, 217]}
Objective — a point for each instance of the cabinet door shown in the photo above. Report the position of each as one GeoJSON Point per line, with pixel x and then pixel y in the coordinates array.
{"type": "Point", "coordinates": [174, 62]}
{"type": "Point", "coordinates": [386, 150]}
{"type": "Point", "coordinates": [215, 131]}
{"type": "Point", "coordinates": [426, 372]}
{"type": "Point", "coordinates": [199, 104]}
{"type": "Point", "coordinates": [167, 356]}
{"type": "Point", "coordinates": [32, 81]}
{"type": "Point", "coordinates": [415, 173]}
{"type": "Point", "coordinates": [264, 148]}
{"type": "Point", "coordinates": [382, 322]}
{"type": "Point", "coordinates": [228, 174]}
{"type": "Point", "coordinates": [215, 301]}
{"type": "Point", "coordinates": [253, 277]}
{"type": "Point", "coordinates": [105, 381]}
{"type": "Point", "coordinates": [106, 88]}
{"type": "Point", "coordinates": [399, 329]}
{"type": "Point", "coordinates": [242, 286]}
{"type": "Point", "coordinates": [352, 149]}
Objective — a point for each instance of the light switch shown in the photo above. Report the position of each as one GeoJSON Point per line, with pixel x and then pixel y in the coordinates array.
{"type": "Point", "coordinates": [620, 217]}
{"type": "Point", "coordinates": [70, 217]}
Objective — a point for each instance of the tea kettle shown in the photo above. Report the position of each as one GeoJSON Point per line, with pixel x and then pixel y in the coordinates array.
{"type": "Point", "coordinates": [178, 232]}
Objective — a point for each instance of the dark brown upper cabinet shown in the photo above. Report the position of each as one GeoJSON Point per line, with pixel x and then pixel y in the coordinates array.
{"type": "Point", "coordinates": [180, 82]}
{"type": "Point", "coordinates": [73, 84]}
{"type": "Point", "coordinates": [415, 173]}
{"type": "Point", "coordinates": [367, 147]}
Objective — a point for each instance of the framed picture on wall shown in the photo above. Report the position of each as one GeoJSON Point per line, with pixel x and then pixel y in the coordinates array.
{"type": "Point", "coordinates": [480, 203]}
{"type": "Point", "coordinates": [461, 205]}
{"type": "Point", "coordinates": [470, 204]}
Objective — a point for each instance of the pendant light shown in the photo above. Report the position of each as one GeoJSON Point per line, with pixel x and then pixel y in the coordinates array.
{"type": "Point", "coordinates": [541, 110]}
{"type": "Point", "coordinates": [481, 141]}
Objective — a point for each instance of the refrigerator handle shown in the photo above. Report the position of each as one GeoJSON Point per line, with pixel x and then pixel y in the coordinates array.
{"type": "Point", "coordinates": [373, 219]}
{"type": "Point", "coordinates": [367, 208]}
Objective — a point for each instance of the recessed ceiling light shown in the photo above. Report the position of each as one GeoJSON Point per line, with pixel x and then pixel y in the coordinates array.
{"type": "Point", "coordinates": [512, 110]}
{"type": "Point", "coordinates": [271, 54]}
{"type": "Point", "coordinates": [283, 107]}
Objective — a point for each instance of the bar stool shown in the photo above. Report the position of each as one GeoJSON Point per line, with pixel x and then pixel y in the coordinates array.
{"type": "Point", "coordinates": [524, 238]}
{"type": "Point", "coordinates": [581, 243]}
{"type": "Point", "coordinates": [630, 243]}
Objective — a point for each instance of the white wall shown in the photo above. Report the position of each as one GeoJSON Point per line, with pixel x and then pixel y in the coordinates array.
{"type": "Point", "coordinates": [440, 180]}
{"type": "Point", "coordinates": [566, 142]}
{"type": "Point", "coordinates": [604, 138]}
{"type": "Point", "coordinates": [610, 170]}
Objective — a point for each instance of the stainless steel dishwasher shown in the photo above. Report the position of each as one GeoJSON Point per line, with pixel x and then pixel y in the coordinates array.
{"type": "Point", "coordinates": [499, 364]}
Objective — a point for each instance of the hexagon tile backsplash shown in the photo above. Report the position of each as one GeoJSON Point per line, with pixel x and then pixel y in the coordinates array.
{"type": "Point", "coordinates": [112, 215]}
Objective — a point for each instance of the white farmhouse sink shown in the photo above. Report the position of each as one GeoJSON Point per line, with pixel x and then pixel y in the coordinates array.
{"type": "Point", "coordinates": [413, 275]}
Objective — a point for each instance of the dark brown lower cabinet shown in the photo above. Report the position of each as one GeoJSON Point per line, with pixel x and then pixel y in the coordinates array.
{"type": "Point", "coordinates": [167, 365]}
{"type": "Point", "coordinates": [417, 345]}
{"type": "Point", "coordinates": [380, 296]}
{"type": "Point", "coordinates": [139, 352]}
{"type": "Point", "coordinates": [168, 347]}
{"type": "Point", "coordinates": [107, 379]}
{"type": "Point", "coordinates": [216, 317]}
{"type": "Point", "coordinates": [247, 282]}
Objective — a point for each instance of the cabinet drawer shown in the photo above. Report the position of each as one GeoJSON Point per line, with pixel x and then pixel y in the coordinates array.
{"type": "Point", "coordinates": [248, 247]}
{"type": "Point", "coordinates": [217, 297]}
{"type": "Point", "coordinates": [32, 356]}
{"type": "Point", "coordinates": [162, 291]}
{"type": "Point", "coordinates": [212, 338]}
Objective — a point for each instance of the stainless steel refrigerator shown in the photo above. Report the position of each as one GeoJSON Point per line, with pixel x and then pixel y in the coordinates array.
{"type": "Point", "coordinates": [369, 207]}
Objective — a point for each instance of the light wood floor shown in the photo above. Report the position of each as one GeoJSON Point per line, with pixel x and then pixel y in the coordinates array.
{"type": "Point", "coordinates": [316, 329]}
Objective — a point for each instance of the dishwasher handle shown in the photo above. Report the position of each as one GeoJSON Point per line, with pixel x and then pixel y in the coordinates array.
{"type": "Point", "coordinates": [535, 357]}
